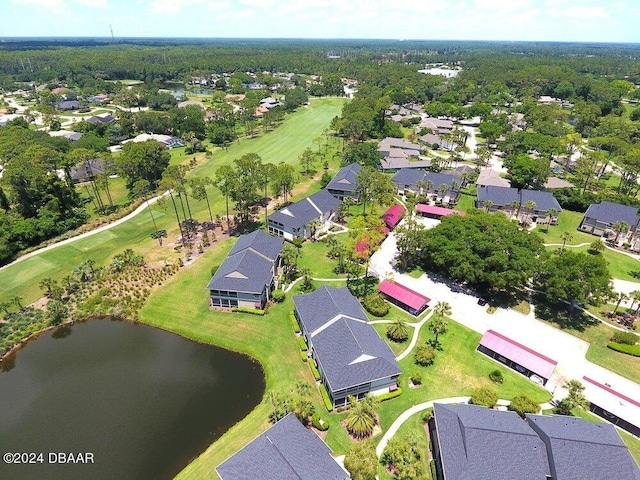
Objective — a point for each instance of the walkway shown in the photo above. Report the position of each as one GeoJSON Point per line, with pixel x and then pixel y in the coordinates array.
{"type": "Point", "coordinates": [103, 228]}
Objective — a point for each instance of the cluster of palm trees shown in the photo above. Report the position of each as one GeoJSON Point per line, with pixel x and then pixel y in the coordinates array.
{"type": "Point", "coordinates": [362, 418]}
{"type": "Point", "coordinates": [425, 354]}
{"type": "Point", "coordinates": [15, 300]}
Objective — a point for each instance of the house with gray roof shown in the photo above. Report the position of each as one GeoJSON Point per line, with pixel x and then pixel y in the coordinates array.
{"type": "Point", "coordinates": [350, 355]}
{"type": "Point", "coordinates": [581, 450]}
{"type": "Point", "coordinates": [294, 221]}
{"type": "Point", "coordinates": [427, 183]}
{"type": "Point", "coordinates": [286, 451]}
{"type": "Point", "coordinates": [512, 202]}
{"type": "Point", "coordinates": [398, 153]}
{"type": "Point", "coordinates": [249, 274]}
{"type": "Point", "coordinates": [343, 184]}
{"type": "Point", "coordinates": [101, 118]}
{"type": "Point", "coordinates": [601, 217]}
{"type": "Point", "coordinates": [470, 442]}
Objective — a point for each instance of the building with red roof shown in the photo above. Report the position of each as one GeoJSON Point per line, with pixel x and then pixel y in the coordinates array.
{"type": "Point", "coordinates": [405, 298]}
{"type": "Point", "coordinates": [393, 215]}
{"type": "Point", "coordinates": [432, 211]}
{"type": "Point", "coordinates": [516, 356]}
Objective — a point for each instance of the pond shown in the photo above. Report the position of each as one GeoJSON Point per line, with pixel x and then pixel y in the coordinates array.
{"type": "Point", "coordinates": [142, 401]}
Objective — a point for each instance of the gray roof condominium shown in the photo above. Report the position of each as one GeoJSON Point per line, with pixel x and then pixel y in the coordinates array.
{"type": "Point", "coordinates": [246, 276]}
{"type": "Point", "coordinates": [581, 450]}
{"type": "Point", "coordinates": [503, 196]}
{"type": "Point", "coordinates": [286, 451]}
{"type": "Point", "coordinates": [291, 222]}
{"type": "Point", "coordinates": [343, 183]}
{"type": "Point", "coordinates": [476, 443]}
{"type": "Point", "coordinates": [600, 216]}
{"type": "Point", "coordinates": [351, 357]}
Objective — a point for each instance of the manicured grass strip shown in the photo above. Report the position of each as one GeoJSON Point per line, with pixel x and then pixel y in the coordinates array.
{"type": "Point", "coordinates": [633, 350]}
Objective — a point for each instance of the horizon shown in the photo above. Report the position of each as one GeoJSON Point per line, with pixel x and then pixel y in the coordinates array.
{"type": "Point", "coordinates": [549, 21]}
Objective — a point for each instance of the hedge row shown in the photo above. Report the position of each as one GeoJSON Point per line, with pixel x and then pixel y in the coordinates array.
{"type": "Point", "coordinates": [624, 348]}
{"type": "Point", "coordinates": [318, 424]}
{"type": "Point", "coordinates": [303, 343]}
{"type": "Point", "coordinates": [390, 395]}
{"type": "Point", "coordinates": [325, 398]}
{"type": "Point", "coordinates": [252, 311]}
{"type": "Point", "coordinates": [314, 370]}
{"type": "Point", "coordinates": [294, 322]}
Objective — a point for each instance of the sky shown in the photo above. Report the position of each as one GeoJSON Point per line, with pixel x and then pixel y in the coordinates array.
{"type": "Point", "coordinates": [506, 20]}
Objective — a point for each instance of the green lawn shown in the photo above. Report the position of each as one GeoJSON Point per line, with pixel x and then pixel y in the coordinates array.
{"type": "Point", "coordinates": [283, 144]}
{"type": "Point", "coordinates": [314, 256]}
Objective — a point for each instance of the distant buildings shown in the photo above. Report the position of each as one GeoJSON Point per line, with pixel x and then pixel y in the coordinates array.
{"type": "Point", "coordinates": [600, 218]}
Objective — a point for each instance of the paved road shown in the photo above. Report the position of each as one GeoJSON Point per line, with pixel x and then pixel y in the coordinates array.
{"type": "Point", "coordinates": [567, 350]}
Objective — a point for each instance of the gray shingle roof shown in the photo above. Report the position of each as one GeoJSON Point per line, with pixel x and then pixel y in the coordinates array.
{"type": "Point", "coordinates": [581, 450]}
{"type": "Point", "coordinates": [502, 196]}
{"type": "Point", "coordinates": [345, 179]}
{"type": "Point", "coordinates": [609, 212]}
{"type": "Point", "coordinates": [411, 177]}
{"type": "Point", "coordinates": [285, 451]}
{"type": "Point", "coordinates": [351, 353]}
{"type": "Point", "coordinates": [341, 335]}
{"type": "Point", "coordinates": [479, 443]}
{"type": "Point", "coordinates": [318, 307]}
{"type": "Point", "coordinates": [249, 265]}
{"type": "Point", "coordinates": [301, 213]}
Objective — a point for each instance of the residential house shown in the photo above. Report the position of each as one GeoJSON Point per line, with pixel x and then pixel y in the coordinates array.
{"type": "Point", "coordinates": [285, 451]}
{"type": "Point", "coordinates": [102, 118]}
{"type": "Point", "coordinates": [600, 218]}
{"type": "Point", "coordinates": [512, 201]}
{"type": "Point", "coordinates": [71, 136]}
{"type": "Point", "coordinates": [442, 185]}
{"type": "Point", "coordinates": [398, 153]}
{"type": "Point", "coordinates": [86, 171]}
{"type": "Point", "coordinates": [67, 105]}
{"type": "Point", "coordinates": [249, 274]}
{"type": "Point", "coordinates": [167, 141]}
{"type": "Point", "coordinates": [186, 103]}
{"type": "Point", "coordinates": [350, 355]}
{"type": "Point", "coordinates": [471, 442]}
{"type": "Point", "coordinates": [295, 221]}
{"type": "Point", "coordinates": [343, 184]}
{"type": "Point", "coordinates": [491, 178]}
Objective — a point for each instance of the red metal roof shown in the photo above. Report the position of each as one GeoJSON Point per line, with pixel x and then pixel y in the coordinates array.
{"type": "Point", "coordinates": [611, 391]}
{"type": "Point", "coordinates": [393, 215]}
{"type": "Point", "coordinates": [403, 294]}
{"type": "Point", "coordinates": [516, 352]}
{"type": "Point", "coordinates": [439, 211]}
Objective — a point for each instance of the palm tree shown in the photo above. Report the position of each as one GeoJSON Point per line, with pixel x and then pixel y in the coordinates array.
{"type": "Point", "coordinates": [5, 306]}
{"type": "Point", "coordinates": [487, 204]}
{"type": "Point", "coordinates": [635, 297]}
{"type": "Point", "coordinates": [83, 272]}
{"type": "Point", "coordinates": [420, 184]}
{"type": "Point", "coordinates": [529, 207]}
{"type": "Point", "coordinates": [47, 283]}
{"type": "Point", "coordinates": [551, 214]}
{"type": "Point", "coordinates": [314, 225]}
{"type": "Point", "coordinates": [361, 419]}
{"type": "Point", "coordinates": [428, 186]}
{"type": "Point", "coordinates": [515, 208]}
{"type": "Point", "coordinates": [620, 297]}
{"type": "Point", "coordinates": [442, 309]}
{"type": "Point", "coordinates": [398, 331]}
{"type": "Point", "coordinates": [620, 228]}
{"type": "Point", "coordinates": [566, 237]}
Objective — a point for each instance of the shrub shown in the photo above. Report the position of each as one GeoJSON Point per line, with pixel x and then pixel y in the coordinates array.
{"type": "Point", "coordinates": [325, 398]}
{"type": "Point", "coordinates": [303, 344]}
{"type": "Point", "coordinates": [522, 404]}
{"type": "Point", "coordinates": [425, 355]}
{"type": "Point", "coordinates": [294, 322]}
{"type": "Point", "coordinates": [633, 350]}
{"type": "Point", "coordinates": [496, 376]}
{"type": "Point", "coordinates": [314, 370]}
{"type": "Point", "coordinates": [303, 356]}
{"type": "Point", "coordinates": [416, 378]}
{"type": "Point", "coordinates": [627, 338]}
{"type": "Point", "coordinates": [376, 305]}
{"type": "Point", "coordinates": [388, 396]}
{"type": "Point", "coordinates": [318, 423]}
{"type": "Point", "coordinates": [398, 331]}
{"type": "Point", "coordinates": [252, 311]}
{"type": "Point", "coordinates": [484, 396]}
{"type": "Point", "coordinates": [278, 295]}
